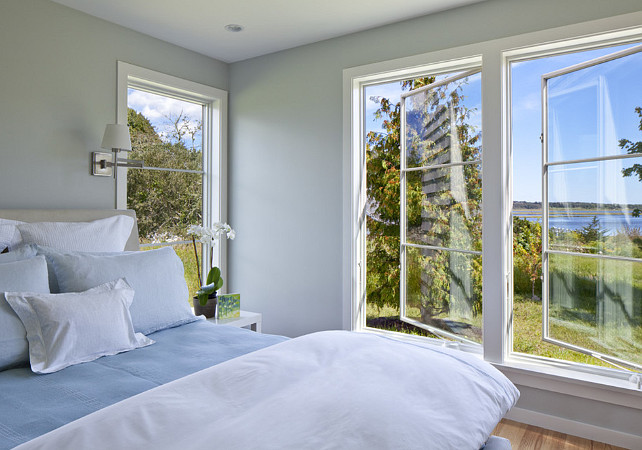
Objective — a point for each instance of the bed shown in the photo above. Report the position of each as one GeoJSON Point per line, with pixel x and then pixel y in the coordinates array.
{"type": "Point", "coordinates": [183, 382]}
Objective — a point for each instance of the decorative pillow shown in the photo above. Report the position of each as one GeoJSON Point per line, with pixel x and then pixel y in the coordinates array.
{"type": "Point", "coordinates": [157, 276]}
{"type": "Point", "coordinates": [71, 328]}
{"type": "Point", "coordinates": [26, 275]}
{"type": "Point", "coordinates": [103, 235]}
{"type": "Point", "coordinates": [20, 253]}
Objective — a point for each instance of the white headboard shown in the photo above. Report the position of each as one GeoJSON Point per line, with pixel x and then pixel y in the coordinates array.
{"type": "Point", "coordinates": [72, 215]}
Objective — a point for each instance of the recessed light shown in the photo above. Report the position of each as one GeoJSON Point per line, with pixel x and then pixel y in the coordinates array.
{"type": "Point", "coordinates": [234, 28]}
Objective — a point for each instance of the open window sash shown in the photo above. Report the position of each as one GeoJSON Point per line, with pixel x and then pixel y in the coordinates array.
{"type": "Point", "coordinates": [440, 158]}
{"type": "Point", "coordinates": [592, 278]}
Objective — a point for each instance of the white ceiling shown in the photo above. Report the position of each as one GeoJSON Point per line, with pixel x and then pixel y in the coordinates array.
{"type": "Point", "coordinates": [270, 25]}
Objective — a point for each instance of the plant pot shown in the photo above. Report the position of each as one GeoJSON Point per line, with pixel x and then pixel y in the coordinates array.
{"type": "Point", "coordinates": [209, 310]}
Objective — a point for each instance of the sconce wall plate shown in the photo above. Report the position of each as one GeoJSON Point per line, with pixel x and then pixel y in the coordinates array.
{"type": "Point", "coordinates": [102, 164]}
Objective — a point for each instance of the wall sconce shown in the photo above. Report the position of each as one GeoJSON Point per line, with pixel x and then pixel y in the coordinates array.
{"type": "Point", "coordinates": [116, 138]}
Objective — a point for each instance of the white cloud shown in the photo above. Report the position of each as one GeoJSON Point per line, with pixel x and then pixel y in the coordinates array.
{"type": "Point", "coordinates": [158, 109]}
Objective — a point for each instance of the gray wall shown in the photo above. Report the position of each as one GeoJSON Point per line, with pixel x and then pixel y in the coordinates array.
{"type": "Point", "coordinates": [57, 92]}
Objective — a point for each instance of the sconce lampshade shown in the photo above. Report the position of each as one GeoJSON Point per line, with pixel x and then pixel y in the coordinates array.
{"type": "Point", "coordinates": [116, 136]}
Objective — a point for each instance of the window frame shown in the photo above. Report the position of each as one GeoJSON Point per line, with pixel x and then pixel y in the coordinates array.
{"type": "Point", "coordinates": [609, 385]}
{"type": "Point", "coordinates": [214, 168]}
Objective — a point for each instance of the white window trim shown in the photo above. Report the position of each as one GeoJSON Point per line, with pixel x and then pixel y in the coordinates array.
{"type": "Point", "coordinates": [214, 141]}
{"type": "Point", "coordinates": [597, 383]}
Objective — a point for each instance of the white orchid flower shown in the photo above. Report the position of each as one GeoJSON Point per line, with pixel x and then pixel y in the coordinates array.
{"type": "Point", "coordinates": [209, 235]}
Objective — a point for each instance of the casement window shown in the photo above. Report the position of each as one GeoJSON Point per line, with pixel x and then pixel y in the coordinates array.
{"type": "Point", "coordinates": [591, 189]}
{"type": "Point", "coordinates": [440, 232]}
{"type": "Point", "coordinates": [562, 201]}
{"type": "Point", "coordinates": [177, 129]}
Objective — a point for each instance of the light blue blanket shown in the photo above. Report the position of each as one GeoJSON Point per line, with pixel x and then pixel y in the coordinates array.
{"type": "Point", "coordinates": [31, 404]}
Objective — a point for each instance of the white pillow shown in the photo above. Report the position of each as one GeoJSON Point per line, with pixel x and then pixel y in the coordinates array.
{"type": "Point", "coordinates": [102, 235]}
{"type": "Point", "coordinates": [71, 328]}
{"type": "Point", "coordinates": [9, 234]}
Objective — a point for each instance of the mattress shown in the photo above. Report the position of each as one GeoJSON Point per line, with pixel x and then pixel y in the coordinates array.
{"type": "Point", "coordinates": [36, 404]}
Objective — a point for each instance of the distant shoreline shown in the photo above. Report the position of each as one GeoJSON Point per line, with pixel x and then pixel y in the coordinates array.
{"type": "Point", "coordinates": [570, 212]}
{"type": "Point", "coordinates": [595, 208]}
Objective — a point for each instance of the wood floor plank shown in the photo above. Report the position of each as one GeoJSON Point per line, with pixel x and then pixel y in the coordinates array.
{"type": "Point", "coordinates": [529, 437]}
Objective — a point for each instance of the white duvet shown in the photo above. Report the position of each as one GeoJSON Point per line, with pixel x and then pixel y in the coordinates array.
{"type": "Point", "coordinates": [328, 390]}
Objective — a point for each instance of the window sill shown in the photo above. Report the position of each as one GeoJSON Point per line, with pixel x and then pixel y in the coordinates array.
{"type": "Point", "coordinates": [615, 389]}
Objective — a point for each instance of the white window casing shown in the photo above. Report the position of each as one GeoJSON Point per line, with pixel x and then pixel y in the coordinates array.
{"type": "Point", "coordinates": [214, 170]}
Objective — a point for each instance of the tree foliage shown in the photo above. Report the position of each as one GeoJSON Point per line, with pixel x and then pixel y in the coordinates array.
{"type": "Point", "coordinates": [527, 254]}
{"type": "Point", "coordinates": [592, 232]}
{"type": "Point", "coordinates": [631, 148]}
{"type": "Point", "coordinates": [383, 191]}
{"type": "Point", "coordinates": [166, 203]}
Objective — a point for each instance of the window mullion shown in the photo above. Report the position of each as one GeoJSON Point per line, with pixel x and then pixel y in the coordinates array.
{"type": "Point", "coordinates": [167, 169]}
{"type": "Point", "coordinates": [445, 166]}
{"type": "Point", "coordinates": [402, 216]}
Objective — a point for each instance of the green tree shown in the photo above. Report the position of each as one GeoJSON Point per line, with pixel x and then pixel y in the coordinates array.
{"type": "Point", "coordinates": [166, 203]}
{"type": "Point", "coordinates": [593, 233]}
{"type": "Point", "coordinates": [383, 192]}
{"type": "Point", "coordinates": [527, 252]}
{"type": "Point", "coordinates": [632, 148]}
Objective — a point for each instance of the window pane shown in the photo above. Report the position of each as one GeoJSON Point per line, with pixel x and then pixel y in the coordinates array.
{"type": "Point", "coordinates": [166, 203]}
{"type": "Point", "coordinates": [433, 117]}
{"type": "Point", "coordinates": [590, 110]}
{"type": "Point", "coordinates": [443, 207]}
{"type": "Point", "coordinates": [165, 132]}
{"type": "Point", "coordinates": [443, 290]}
{"type": "Point", "coordinates": [593, 208]}
{"type": "Point", "coordinates": [597, 304]}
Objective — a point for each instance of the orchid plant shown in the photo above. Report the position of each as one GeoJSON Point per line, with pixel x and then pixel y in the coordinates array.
{"type": "Point", "coordinates": [209, 236]}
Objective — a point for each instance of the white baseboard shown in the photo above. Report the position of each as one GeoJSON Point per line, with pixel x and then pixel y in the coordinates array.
{"type": "Point", "coordinates": [574, 428]}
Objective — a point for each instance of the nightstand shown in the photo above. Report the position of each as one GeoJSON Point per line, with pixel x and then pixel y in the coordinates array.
{"type": "Point", "coordinates": [246, 319]}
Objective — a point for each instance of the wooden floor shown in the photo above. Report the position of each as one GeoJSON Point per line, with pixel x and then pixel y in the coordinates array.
{"type": "Point", "coordinates": [528, 437]}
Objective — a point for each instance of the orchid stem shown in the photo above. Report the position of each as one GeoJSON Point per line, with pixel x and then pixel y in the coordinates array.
{"type": "Point", "coordinates": [198, 264]}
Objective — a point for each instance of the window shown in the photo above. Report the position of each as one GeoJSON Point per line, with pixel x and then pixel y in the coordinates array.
{"type": "Point", "coordinates": [590, 312]}
{"type": "Point", "coordinates": [433, 181]}
{"type": "Point", "coordinates": [583, 234]}
{"type": "Point", "coordinates": [176, 129]}
{"type": "Point", "coordinates": [441, 207]}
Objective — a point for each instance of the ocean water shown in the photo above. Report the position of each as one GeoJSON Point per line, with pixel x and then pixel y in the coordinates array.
{"type": "Point", "coordinates": [609, 222]}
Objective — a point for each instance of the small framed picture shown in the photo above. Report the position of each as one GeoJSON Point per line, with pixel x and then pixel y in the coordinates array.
{"type": "Point", "coordinates": [228, 306]}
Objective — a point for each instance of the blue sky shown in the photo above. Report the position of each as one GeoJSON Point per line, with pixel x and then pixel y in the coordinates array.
{"type": "Point", "coordinates": [158, 109]}
{"type": "Point", "coordinates": [573, 128]}
{"type": "Point", "coordinates": [574, 100]}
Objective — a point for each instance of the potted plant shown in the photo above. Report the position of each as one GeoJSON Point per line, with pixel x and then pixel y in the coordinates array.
{"type": "Point", "coordinates": [205, 299]}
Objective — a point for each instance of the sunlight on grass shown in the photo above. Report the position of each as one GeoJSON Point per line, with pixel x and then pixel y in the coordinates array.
{"type": "Point", "coordinates": [527, 336]}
